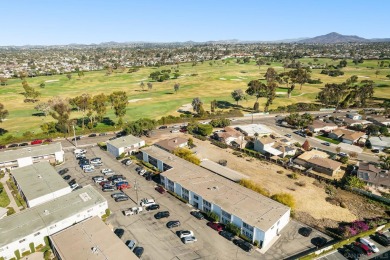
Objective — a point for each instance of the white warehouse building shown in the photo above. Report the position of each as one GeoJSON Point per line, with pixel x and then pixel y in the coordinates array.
{"type": "Point", "coordinates": [125, 144]}
{"type": "Point", "coordinates": [52, 153]}
{"type": "Point", "coordinates": [39, 183]}
{"type": "Point", "coordinates": [28, 228]}
{"type": "Point", "coordinates": [258, 217]}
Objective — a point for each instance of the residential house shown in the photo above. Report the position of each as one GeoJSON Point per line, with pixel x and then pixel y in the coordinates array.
{"type": "Point", "coordinates": [254, 129]}
{"type": "Point", "coordinates": [321, 126]}
{"type": "Point", "coordinates": [351, 122]}
{"type": "Point", "coordinates": [373, 176]}
{"type": "Point", "coordinates": [274, 146]}
{"type": "Point", "coordinates": [228, 135]}
{"type": "Point", "coordinates": [379, 142]}
{"type": "Point", "coordinates": [354, 116]}
{"type": "Point", "coordinates": [171, 144]}
{"type": "Point", "coordinates": [346, 136]}
{"type": "Point", "coordinates": [125, 144]}
{"type": "Point", "coordinates": [319, 162]}
{"type": "Point", "coordinates": [379, 120]}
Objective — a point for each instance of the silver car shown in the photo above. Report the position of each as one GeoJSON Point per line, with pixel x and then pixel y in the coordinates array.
{"type": "Point", "coordinates": [190, 239]}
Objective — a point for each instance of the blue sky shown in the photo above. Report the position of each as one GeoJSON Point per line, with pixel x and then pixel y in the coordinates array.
{"type": "Point", "coordinates": [86, 21]}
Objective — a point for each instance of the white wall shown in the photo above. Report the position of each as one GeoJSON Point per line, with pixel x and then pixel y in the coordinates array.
{"type": "Point", "coordinates": [277, 227]}
{"type": "Point", "coordinates": [48, 197]}
{"type": "Point", "coordinates": [59, 156]}
{"type": "Point", "coordinates": [8, 251]}
{"type": "Point", "coordinates": [24, 161]}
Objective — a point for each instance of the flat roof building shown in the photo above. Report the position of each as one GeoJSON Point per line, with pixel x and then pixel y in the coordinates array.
{"type": "Point", "coordinates": [171, 144]}
{"type": "Point", "coordinates": [124, 144]}
{"type": "Point", "coordinates": [91, 239]}
{"type": "Point", "coordinates": [31, 225]}
{"type": "Point", "coordinates": [252, 129]}
{"type": "Point", "coordinates": [39, 183]}
{"type": "Point", "coordinates": [52, 153]}
{"type": "Point", "coordinates": [258, 217]}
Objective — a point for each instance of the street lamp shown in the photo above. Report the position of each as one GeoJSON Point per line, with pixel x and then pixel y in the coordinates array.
{"type": "Point", "coordinates": [74, 134]}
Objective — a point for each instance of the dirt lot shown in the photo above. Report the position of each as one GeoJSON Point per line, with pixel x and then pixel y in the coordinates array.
{"type": "Point", "coordinates": [312, 206]}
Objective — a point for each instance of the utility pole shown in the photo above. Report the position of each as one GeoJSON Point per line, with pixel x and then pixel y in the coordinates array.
{"type": "Point", "coordinates": [136, 189]}
{"type": "Point", "coordinates": [74, 134]}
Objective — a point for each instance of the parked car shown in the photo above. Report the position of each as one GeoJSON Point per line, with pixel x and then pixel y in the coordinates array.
{"type": "Point", "coordinates": [118, 194]}
{"type": "Point", "coordinates": [119, 232]}
{"type": "Point", "coordinates": [173, 223]}
{"type": "Point", "coordinates": [348, 253]}
{"type": "Point", "coordinates": [123, 185]}
{"type": "Point", "coordinates": [111, 188]}
{"type": "Point", "coordinates": [127, 162]}
{"type": "Point", "coordinates": [186, 233]}
{"type": "Point", "coordinates": [13, 145]}
{"type": "Point", "coordinates": [102, 134]}
{"type": "Point", "coordinates": [147, 202]}
{"type": "Point", "coordinates": [100, 180]}
{"type": "Point", "coordinates": [375, 150]}
{"type": "Point", "coordinates": [2, 147]}
{"type": "Point", "coordinates": [76, 138]}
{"type": "Point", "coordinates": [163, 127]}
{"type": "Point", "coordinates": [49, 140]}
{"type": "Point", "coordinates": [96, 160]}
{"type": "Point", "coordinates": [381, 240]}
{"type": "Point", "coordinates": [175, 131]}
{"type": "Point", "coordinates": [92, 135]}
{"type": "Point", "coordinates": [326, 144]}
{"type": "Point", "coordinates": [37, 141]}
{"type": "Point", "coordinates": [359, 252]}
{"type": "Point", "coordinates": [160, 189]}
{"type": "Point", "coordinates": [123, 198]}
{"type": "Point", "coordinates": [197, 214]}
{"type": "Point", "coordinates": [161, 214]}
{"type": "Point", "coordinates": [66, 177]}
{"type": "Point", "coordinates": [342, 154]}
{"type": "Point", "coordinates": [87, 170]}
{"type": "Point", "coordinates": [370, 245]}
{"type": "Point", "coordinates": [215, 226]}
{"type": "Point", "coordinates": [138, 251]}
{"type": "Point", "coordinates": [305, 231]}
{"type": "Point", "coordinates": [288, 135]}
{"type": "Point", "coordinates": [131, 244]}
{"type": "Point", "coordinates": [23, 144]}
{"type": "Point", "coordinates": [74, 186]}
{"type": "Point", "coordinates": [76, 151]}
{"type": "Point", "coordinates": [73, 181]}
{"type": "Point", "coordinates": [152, 207]}
{"type": "Point", "coordinates": [63, 171]}
{"type": "Point", "coordinates": [106, 171]}
{"type": "Point", "coordinates": [115, 176]}
{"type": "Point", "coordinates": [80, 156]}
{"type": "Point", "coordinates": [189, 239]}
{"type": "Point", "coordinates": [366, 250]}
{"type": "Point", "coordinates": [319, 241]}
{"type": "Point", "coordinates": [229, 236]}
{"type": "Point", "coordinates": [246, 246]}
{"type": "Point", "coordinates": [142, 172]}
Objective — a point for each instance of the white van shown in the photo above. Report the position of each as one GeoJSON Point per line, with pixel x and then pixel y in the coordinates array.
{"type": "Point", "coordinates": [88, 167]}
{"type": "Point", "coordinates": [369, 244]}
{"type": "Point", "coordinates": [147, 202]}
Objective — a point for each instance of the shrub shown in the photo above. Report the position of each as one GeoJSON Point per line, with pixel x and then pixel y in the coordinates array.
{"type": "Point", "coordinates": [103, 146]}
{"type": "Point", "coordinates": [17, 254]}
{"type": "Point", "coordinates": [32, 248]}
{"type": "Point", "coordinates": [187, 155]}
{"type": "Point", "coordinates": [256, 243]}
{"type": "Point", "coordinates": [245, 238]}
{"type": "Point", "coordinates": [213, 216]}
{"type": "Point", "coordinates": [26, 253]}
{"type": "Point", "coordinates": [254, 186]}
{"type": "Point", "coordinates": [202, 138]}
{"type": "Point", "coordinates": [233, 229]}
{"type": "Point", "coordinates": [47, 254]}
{"type": "Point", "coordinates": [284, 198]}
{"type": "Point", "coordinates": [204, 130]}
{"type": "Point", "coordinates": [280, 172]}
{"type": "Point", "coordinates": [10, 211]}
{"type": "Point", "coordinates": [108, 212]}
{"type": "Point", "coordinates": [219, 144]}
{"type": "Point", "coordinates": [293, 176]}
{"type": "Point", "coordinates": [222, 122]}
{"type": "Point", "coordinates": [343, 205]}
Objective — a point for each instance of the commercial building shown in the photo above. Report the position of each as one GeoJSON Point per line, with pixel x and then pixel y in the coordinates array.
{"type": "Point", "coordinates": [39, 183]}
{"type": "Point", "coordinates": [319, 162]}
{"type": "Point", "coordinates": [259, 218]}
{"type": "Point", "coordinates": [52, 153]}
{"type": "Point", "coordinates": [171, 144]}
{"type": "Point", "coordinates": [91, 239]}
{"type": "Point", "coordinates": [26, 229]}
{"type": "Point", "coordinates": [125, 144]}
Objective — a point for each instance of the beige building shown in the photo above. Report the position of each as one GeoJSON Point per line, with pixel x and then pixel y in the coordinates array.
{"type": "Point", "coordinates": [171, 144]}
{"type": "Point", "coordinates": [319, 162]}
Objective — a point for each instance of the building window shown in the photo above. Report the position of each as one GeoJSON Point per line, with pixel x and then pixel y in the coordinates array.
{"type": "Point", "coordinates": [196, 197]}
{"type": "Point", "coordinates": [37, 234]}
{"type": "Point", "coordinates": [21, 241]}
{"type": "Point", "coordinates": [278, 223]}
{"type": "Point", "coordinates": [206, 203]}
{"type": "Point", "coordinates": [246, 226]}
{"type": "Point", "coordinates": [225, 214]}
{"type": "Point", "coordinates": [185, 191]}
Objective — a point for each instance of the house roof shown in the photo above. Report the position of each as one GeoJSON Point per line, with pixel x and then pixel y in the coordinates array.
{"type": "Point", "coordinates": [380, 141]}
{"type": "Point", "coordinates": [325, 163]}
{"type": "Point", "coordinates": [31, 220]}
{"type": "Point", "coordinates": [368, 167]}
{"type": "Point", "coordinates": [313, 153]}
{"type": "Point", "coordinates": [229, 132]}
{"type": "Point", "coordinates": [266, 140]}
{"type": "Point", "coordinates": [78, 241]}
{"type": "Point", "coordinates": [38, 179]}
{"type": "Point", "coordinates": [252, 207]}
{"type": "Point", "coordinates": [125, 141]}
{"type": "Point", "coordinates": [348, 134]}
{"type": "Point", "coordinates": [252, 129]}
{"type": "Point", "coordinates": [171, 144]}
{"type": "Point", "coordinates": [321, 124]}
{"type": "Point", "coordinates": [33, 151]}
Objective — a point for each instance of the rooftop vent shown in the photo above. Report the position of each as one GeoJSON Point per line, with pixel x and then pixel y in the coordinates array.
{"type": "Point", "coordinates": [46, 212]}
{"type": "Point", "coordinates": [39, 176]}
{"type": "Point", "coordinates": [94, 250]}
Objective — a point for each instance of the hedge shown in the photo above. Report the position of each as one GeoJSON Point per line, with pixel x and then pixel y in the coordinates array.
{"type": "Point", "coordinates": [32, 248]}
{"type": "Point", "coordinates": [202, 138]}
{"type": "Point", "coordinates": [17, 254]}
{"type": "Point", "coordinates": [219, 144]}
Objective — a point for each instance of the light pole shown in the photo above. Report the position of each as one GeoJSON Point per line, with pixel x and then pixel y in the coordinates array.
{"type": "Point", "coordinates": [136, 189]}
{"type": "Point", "coordinates": [74, 134]}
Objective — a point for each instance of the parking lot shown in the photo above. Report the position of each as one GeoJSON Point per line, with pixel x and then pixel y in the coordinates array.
{"type": "Point", "coordinates": [159, 241]}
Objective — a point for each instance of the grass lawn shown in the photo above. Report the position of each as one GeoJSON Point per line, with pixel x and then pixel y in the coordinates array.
{"type": "Point", "coordinates": [326, 139]}
{"type": "Point", "coordinates": [4, 200]}
{"type": "Point", "coordinates": [203, 81]}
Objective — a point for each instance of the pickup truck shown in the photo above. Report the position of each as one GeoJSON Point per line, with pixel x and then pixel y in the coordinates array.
{"type": "Point", "coordinates": [132, 211]}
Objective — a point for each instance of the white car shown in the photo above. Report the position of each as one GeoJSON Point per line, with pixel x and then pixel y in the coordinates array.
{"type": "Point", "coordinates": [186, 233]}
{"type": "Point", "coordinates": [109, 173]}
{"type": "Point", "coordinates": [142, 172]}
{"type": "Point", "coordinates": [190, 239]}
{"type": "Point", "coordinates": [147, 202]}
{"type": "Point", "coordinates": [368, 243]}
{"type": "Point", "coordinates": [100, 180]}
{"type": "Point", "coordinates": [79, 151]}
{"type": "Point", "coordinates": [74, 186]}
{"type": "Point", "coordinates": [175, 131]}
{"type": "Point", "coordinates": [89, 170]}
{"type": "Point", "coordinates": [104, 171]}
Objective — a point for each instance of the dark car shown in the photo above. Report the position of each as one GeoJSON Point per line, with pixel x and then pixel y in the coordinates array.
{"type": "Point", "coordinates": [63, 171]}
{"type": "Point", "coordinates": [92, 135]}
{"type": "Point", "coordinates": [102, 134]}
{"type": "Point", "coordinates": [72, 182]}
{"type": "Point", "coordinates": [119, 232]}
{"type": "Point", "coordinates": [375, 150]}
{"type": "Point", "coordinates": [197, 214]}
{"type": "Point", "coordinates": [305, 231]}
{"type": "Point", "coordinates": [173, 223]}
{"type": "Point", "coordinates": [23, 144]}
{"type": "Point", "coordinates": [49, 140]}
{"type": "Point", "coordinates": [160, 189]}
{"type": "Point", "coordinates": [319, 241]}
{"type": "Point", "coordinates": [349, 253]}
{"type": "Point", "coordinates": [229, 236]}
{"type": "Point", "coordinates": [138, 251]}
{"type": "Point", "coordinates": [122, 198]}
{"type": "Point", "coordinates": [354, 248]}
{"type": "Point", "coordinates": [153, 207]}
{"type": "Point", "coordinates": [76, 138]}
{"type": "Point", "coordinates": [381, 240]}
{"type": "Point", "coordinates": [67, 177]}
{"type": "Point", "coordinates": [2, 147]}
{"type": "Point", "coordinates": [13, 145]}
{"type": "Point", "coordinates": [326, 144]}
{"type": "Point", "coordinates": [161, 214]}
{"type": "Point", "coordinates": [163, 127]}
{"type": "Point", "coordinates": [246, 246]}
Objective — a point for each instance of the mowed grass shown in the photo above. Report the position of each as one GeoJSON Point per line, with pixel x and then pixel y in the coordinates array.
{"type": "Point", "coordinates": [209, 83]}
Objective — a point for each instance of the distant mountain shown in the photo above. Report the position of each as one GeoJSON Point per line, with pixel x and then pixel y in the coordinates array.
{"type": "Point", "coordinates": [334, 38]}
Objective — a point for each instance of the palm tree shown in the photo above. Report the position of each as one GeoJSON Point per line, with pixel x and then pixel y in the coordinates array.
{"type": "Point", "coordinates": [385, 161]}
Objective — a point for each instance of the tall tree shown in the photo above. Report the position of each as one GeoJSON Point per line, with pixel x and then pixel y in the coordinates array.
{"type": "Point", "coordinates": [119, 102]}
{"type": "Point", "coordinates": [3, 113]}
{"type": "Point", "coordinates": [83, 103]}
{"type": "Point", "coordinates": [99, 105]}
{"type": "Point", "coordinates": [197, 106]}
{"type": "Point", "coordinates": [43, 107]}
{"type": "Point", "coordinates": [366, 91]}
{"type": "Point", "coordinates": [238, 95]}
{"type": "Point", "coordinates": [142, 85]}
{"type": "Point", "coordinates": [258, 89]}
{"type": "Point", "coordinates": [176, 87]}
{"type": "Point", "coordinates": [271, 75]}
{"type": "Point", "coordinates": [150, 85]}
{"type": "Point", "coordinates": [299, 76]}
{"type": "Point", "coordinates": [61, 113]}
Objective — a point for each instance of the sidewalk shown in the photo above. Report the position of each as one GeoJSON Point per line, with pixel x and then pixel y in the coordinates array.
{"type": "Point", "coordinates": [11, 198]}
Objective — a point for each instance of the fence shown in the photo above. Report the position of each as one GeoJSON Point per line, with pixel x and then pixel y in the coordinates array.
{"type": "Point", "coordinates": [372, 196]}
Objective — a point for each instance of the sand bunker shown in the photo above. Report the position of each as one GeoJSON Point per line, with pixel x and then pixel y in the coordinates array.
{"type": "Point", "coordinates": [139, 99]}
{"type": "Point", "coordinates": [52, 80]}
{"type": "Point", "coordinates": [222, 78]}
{"type": "Point", "coordinates": [237, 79]}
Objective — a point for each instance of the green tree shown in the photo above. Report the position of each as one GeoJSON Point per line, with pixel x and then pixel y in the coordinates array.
{"type": "Point", "coordinates": [61, 112]}
{"type": "Point", "coordinates": [257, 89]}
{"type": "Point", "coordinates": [385, 162]}
{"type": "Point", "coordinates": [197, 105]}
{"type": "Point", "coordinates": [49, 128]}
{"type": "Point", "coordinates": [204, 130]}
{"type": "Point", "coordinates": [386, 106]}
{"type": "Point", "coordinates": [99, 105]}
{"type": "Point", "coordinates": [271, 75]}
{"type": "Point", "coordinates": [176, 87]}
{"type": "Point", "coordinates": [354, 182]}
{"type": "Point", "coordinates": [238, 95]}
{"type": "Point", "coordinates": [3, 113]}
{"type": "Point", "coordinates": [299, 76]}
{"type": "Point", "coordinates": [83, 103]}
{"type": "Point", "coordinates": [119, 102]}
{"type": "Point", "coordinates": [69, 76]}
{"type": "Point", "coordinates": [140, 126]}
